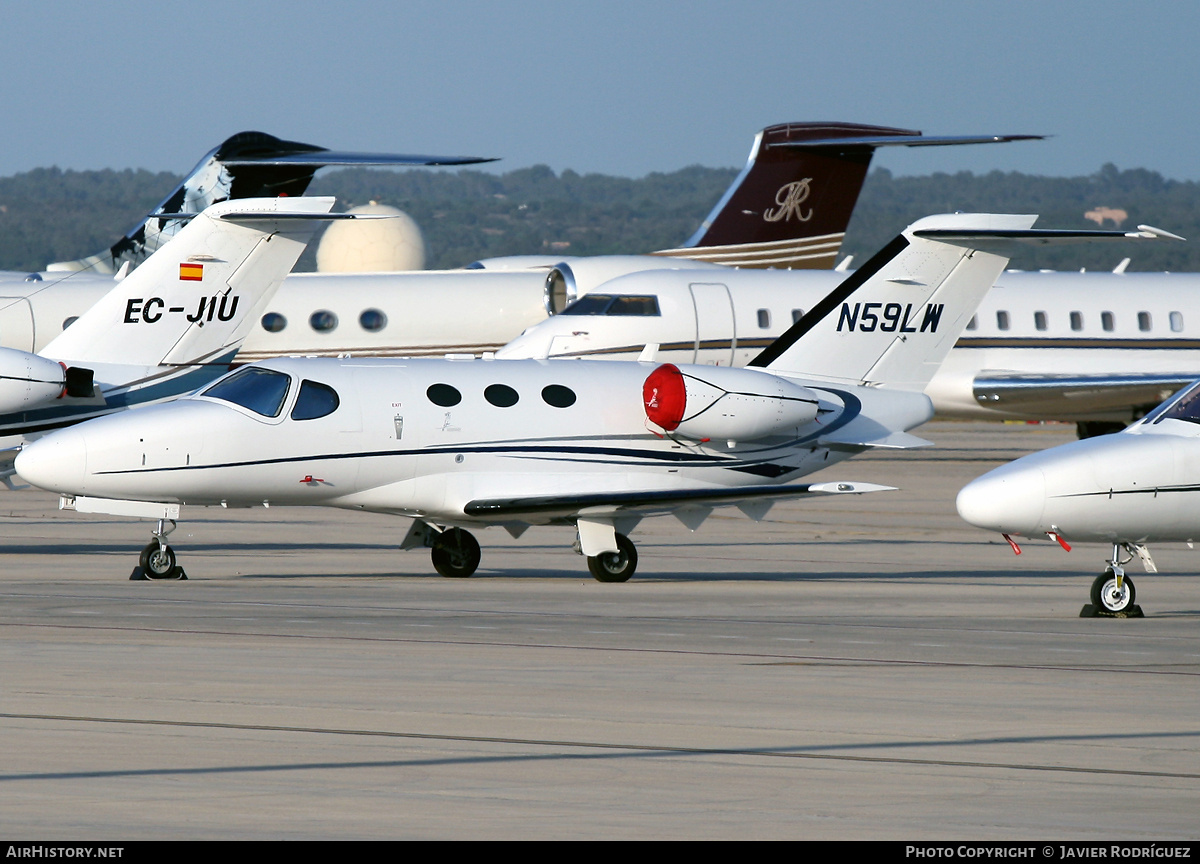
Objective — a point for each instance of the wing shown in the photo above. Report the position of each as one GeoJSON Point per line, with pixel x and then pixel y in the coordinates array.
{"type": "Point", "coordinates": [550, 507]}
{"type": "Point", "coordinates": [1019, 390]}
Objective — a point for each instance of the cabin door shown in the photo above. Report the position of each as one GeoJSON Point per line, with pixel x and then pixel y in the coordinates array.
{"type": "Point", "coordinates": [715, 334]}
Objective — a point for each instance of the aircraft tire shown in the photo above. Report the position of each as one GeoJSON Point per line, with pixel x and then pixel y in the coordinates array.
{"type": "Point", "coordinates": [455, 554]}
{"type": "Point", "coordinates": [614, 566]}
{"type": "Point", "coordinates": [158, 562]}
{"type": "Point", "coordinates": [1105, 595]}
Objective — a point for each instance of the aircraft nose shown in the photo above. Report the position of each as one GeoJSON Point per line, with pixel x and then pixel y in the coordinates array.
{"type": "Point", "coordinates": [56, 462]}
{"type": "Point", "coordinates": [1010, 500]}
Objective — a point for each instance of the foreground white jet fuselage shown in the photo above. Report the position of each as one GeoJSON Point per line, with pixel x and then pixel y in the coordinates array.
{"type": "Point", "coordinates": [512, 443]}
{"type": "Point", "coordinates": [429, 437]}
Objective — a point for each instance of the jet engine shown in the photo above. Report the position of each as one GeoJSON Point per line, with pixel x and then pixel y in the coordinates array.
{"type": "Point", "coordinates": [30, 381]}
{"type": "Point", "coordinates": [725, 404]}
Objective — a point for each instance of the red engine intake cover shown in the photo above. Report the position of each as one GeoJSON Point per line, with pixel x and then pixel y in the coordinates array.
{"type": "Point", "coordinates": [665, 396]}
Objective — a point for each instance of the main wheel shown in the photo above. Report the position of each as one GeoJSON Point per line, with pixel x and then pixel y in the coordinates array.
{"type": "Point", "coordinates": [1105, 594]}
{"type": "Point", "coordinates": [614, 566]}
{"type": "Point", "coordinates": [158, 561]}
{"type": "Point", "coordinates": [455, 553]}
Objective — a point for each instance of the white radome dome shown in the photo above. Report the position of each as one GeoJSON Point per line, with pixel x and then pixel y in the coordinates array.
{"type": "Point", "coordinates": [372, 245]}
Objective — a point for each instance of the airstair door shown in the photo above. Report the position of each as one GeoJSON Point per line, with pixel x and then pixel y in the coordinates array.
{"type": "Point", "coordinates": [16, 323]}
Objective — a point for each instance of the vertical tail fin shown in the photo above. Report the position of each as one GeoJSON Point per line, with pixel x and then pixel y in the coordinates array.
{"type": "Point", "coordinates": [245, 165]}
{"type": "Point", "coordinates": [790, 206]}
{"type": "Point", "coordinates": [894, 320]}
{"type": "Point", "coordinates": [195, 299]}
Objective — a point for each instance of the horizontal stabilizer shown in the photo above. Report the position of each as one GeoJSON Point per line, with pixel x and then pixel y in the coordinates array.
{"type": "Point", "coordinates": [894, 441]}
{"type": "Point", "coordinates": [246, 217]}
{"type": "Point", "coordinates": [328, 158]}
{"type": "Point", "coordinates": [276, 217]}
{"type": "Point", "coordinates": [1007, 242]}
{"type": "Point", "coordinates": [915, 139]}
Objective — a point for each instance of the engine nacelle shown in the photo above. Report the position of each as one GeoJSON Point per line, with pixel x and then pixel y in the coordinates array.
{"type": "Point", "coordinates": [569, 280]}
{"type": "Point", "coordinates": [725, 404]}
{"type": "Point", "coordinates": [28, 380]}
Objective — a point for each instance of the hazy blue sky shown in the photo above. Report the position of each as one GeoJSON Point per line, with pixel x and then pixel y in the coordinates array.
{"type": "Point", "coordinates": [615, 87]}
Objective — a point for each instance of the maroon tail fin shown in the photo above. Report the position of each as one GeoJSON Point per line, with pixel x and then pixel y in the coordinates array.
{"type": "Point", "coordinates": [790, 206]}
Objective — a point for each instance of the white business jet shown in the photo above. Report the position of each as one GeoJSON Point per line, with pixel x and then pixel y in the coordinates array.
{"type": "Point", "coordinates": [598, 446]}
{"type": "Point", "coordinates": [1094, 348]}
{"type": "Point", "coordinates": [1139, 486]}
{"type": "Point", "coordinates": [172, 326]}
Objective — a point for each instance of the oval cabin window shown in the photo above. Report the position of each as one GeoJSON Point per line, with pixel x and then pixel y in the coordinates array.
{"type": "Point", "coordinates": [273, 322]}
{"type": "Point", "coordinates": [558, 396]}
{"type": "Point", "coordinates": [444, 395]}
{"type": "Point", "coordinates": [323, 321]}
{"type": "Point", "coordinates": [372, 320]}
{"type": "Point", "coordinates": [501, 395]}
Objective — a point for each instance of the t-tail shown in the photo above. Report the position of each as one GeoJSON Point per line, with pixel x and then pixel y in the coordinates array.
{"type": "Point", "coordinates": [892, 322]}
{"type": "Point", "coordinates": [171, 326]}
{"type": "Point", "coordinates": [246, 165]}
{"type": "Point", "coordinates": [193, 302]}
{"type": "Point", "coordinates": [790, 206]}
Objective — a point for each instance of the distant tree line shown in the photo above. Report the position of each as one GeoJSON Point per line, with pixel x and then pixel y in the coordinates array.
{"type": "Point", "coordinates": [53, 215]}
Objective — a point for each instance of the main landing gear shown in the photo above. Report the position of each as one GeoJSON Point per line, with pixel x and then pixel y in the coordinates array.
{"type": "Point", "coordinates": [1113, 593]}
{"type": "Point", "coordinates": [157, 560]}
{"type": "Point", "coordinates": [614, 566]}
{"type": "Point", "coordinates": [455, 553]}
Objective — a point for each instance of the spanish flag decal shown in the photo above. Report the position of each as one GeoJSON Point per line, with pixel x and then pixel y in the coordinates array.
{"type": "Point", "coordinates": [191, 272]}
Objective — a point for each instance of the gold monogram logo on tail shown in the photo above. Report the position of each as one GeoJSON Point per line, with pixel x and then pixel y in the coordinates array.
{"type": "Point", "coordinates": [789, 198]}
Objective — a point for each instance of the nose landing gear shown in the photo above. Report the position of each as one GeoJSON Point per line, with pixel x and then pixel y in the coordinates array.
{"type": "Point", "coordinates": [1113, 593]}
{"type": "Point", "coordinates": [157, 560]}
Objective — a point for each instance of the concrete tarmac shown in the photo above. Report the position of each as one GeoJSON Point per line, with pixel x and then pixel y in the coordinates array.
{"type": "Point", "coordinates": [851, 668]}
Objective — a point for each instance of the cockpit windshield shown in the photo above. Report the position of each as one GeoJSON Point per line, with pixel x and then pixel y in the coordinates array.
{"type": "Point", "coordinates": [613, 304]}
{"type": "Point", "coordinates": [263, 391]}
{"type": "Point", "coordinates": [1184, 405]}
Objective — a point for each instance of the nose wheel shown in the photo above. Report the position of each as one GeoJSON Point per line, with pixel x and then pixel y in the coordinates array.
{"type": "Point", "coordinates": [157, 560]}
{"type": "Point", "coordinates": [1111, 597]}
{"type": "Point", "coordinates": [1112, 593]}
